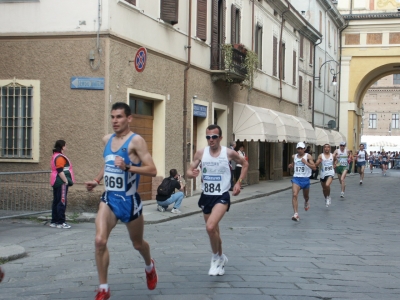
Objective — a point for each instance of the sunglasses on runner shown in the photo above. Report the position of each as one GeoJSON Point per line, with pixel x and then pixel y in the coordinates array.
{"type": "Point", "coordinates": [214, 137]}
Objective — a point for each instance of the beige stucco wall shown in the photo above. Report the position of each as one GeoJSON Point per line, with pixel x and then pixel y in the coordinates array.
{"type": "Point", "coordinates": [81, 117]}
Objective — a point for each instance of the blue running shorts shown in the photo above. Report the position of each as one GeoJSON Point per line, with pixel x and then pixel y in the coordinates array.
{"type": "Point", "coordinates": [302, 182]}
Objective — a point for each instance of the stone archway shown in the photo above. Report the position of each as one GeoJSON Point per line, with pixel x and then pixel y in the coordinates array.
{"type": "Point", "coordinates": [358, 74]}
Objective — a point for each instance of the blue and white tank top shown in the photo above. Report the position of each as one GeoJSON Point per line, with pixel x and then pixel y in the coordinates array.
{"type": "Point", "coordinates": [384, 158]}
{"type": "Point", "coordinates": [342, 158]}
{"type": "Point", "coordinates": [118, 183]}
{"type": "Point", "coordinates": [300, 168]}
{"type": "Point", "coordinates": [216, 173]}
{"type": "Point", "coordinates": [327, 166]}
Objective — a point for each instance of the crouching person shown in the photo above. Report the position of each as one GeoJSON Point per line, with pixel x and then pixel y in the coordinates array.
{"type": "Point", "coordinates": [167, 194]}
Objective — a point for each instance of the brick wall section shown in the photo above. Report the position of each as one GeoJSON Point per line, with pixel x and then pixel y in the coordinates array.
{"type": "Point", "coordinates": [374, 38]}
{"type": "Point", "coordinates": [394, 38]}
{"type": "Point", "coordinates": [352, 39]}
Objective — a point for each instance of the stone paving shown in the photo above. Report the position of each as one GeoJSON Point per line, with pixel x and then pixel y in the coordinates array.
{"type": "Point", "coordinates": [346, 251]}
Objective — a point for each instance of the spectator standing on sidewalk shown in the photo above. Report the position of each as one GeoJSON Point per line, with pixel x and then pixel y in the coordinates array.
{"type": "Point", "coordinates": [215, 198]}
{"type": "Point", "coordinates": [302, 163]}
{"type": "Point", "coordinates": [61, 177]}
{"type": "Point", "coordinates": [175, 197]}
{"type": "Point", "coordinates": [126, 157]}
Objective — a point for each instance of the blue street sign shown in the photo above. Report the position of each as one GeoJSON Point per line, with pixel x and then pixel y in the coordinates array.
{"type": "Point", "coordinates": [199, 110]}
{"type": "Point", "coordinates": [87, 83]}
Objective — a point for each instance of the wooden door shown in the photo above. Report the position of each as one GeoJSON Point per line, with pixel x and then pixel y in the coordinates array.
{"type": "Point", "coordinates": [143, 125]}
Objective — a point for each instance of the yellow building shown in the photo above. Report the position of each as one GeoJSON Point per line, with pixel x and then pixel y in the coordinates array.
{"type": "Point", "coordinates": [370, 51]}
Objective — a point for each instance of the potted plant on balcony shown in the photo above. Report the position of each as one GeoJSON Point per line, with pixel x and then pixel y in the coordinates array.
{"type": "Point", "coordinates": [250, 62]}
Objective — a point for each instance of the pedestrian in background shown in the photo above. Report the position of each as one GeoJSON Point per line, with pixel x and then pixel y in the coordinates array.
{"type": "Point", "coordinates": [61, 177]}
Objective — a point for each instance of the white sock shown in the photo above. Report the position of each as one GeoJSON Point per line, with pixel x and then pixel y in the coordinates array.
{"type": "Point", "coordinates": [150, 267]}
{"type": "Point", "coordinates": [215, 256]}
{"type": "Point", "coordinates": [103, 286]}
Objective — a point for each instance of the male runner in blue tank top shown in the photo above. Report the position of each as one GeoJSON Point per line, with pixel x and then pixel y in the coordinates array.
{"type": "Point", "coordinates": [126, 157]}
{"type": "Point", "coordinates": [302, 163]}
{"type": "Point", "coordinates": [215, 199]}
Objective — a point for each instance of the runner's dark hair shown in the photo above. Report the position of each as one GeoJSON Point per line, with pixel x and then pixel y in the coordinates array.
{"type": "Point", "coordinates": [215, 126]}
{"type": "Point", "coordinates": [122, 105]}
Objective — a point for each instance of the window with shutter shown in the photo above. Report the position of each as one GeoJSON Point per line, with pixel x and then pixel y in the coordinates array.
{"type": "Point", "coordinates": [217, 33]}
{"type": "Point", "coordinates": [258, 45]}
{"type": "Point", "coordinates": [169, 11]}
{"type": "Point", "coordinates": [202, 19]}
{"type": "Point", "coordinates": [300, 90]}
{"type": "Point", "coordinates": [283, 60]}
{"type": "Point", "coordinates": [310, 92]}
{"type": "Point", "coordinates": [301, 46]}
{"type": "Point", "coordinates": [294, 67]}
{"type": "Point", "coordinates": [274, 56]}
{"type": "Point", "coordinates": [133, 2]}
{"type": "Point", "coordinates": [235, 25]}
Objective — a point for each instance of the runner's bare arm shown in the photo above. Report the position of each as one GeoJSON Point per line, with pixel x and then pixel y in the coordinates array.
{"type": "Point", "coordinates": [291, 165]}
{"type": "Point", "coordinates": [193, 170]}
{"type": "Point", "coordinates": [310, 162]}
{"type": "Point", "coordinates": [319, 160]}
{"type": "Point", "coordinates": [139, 147]}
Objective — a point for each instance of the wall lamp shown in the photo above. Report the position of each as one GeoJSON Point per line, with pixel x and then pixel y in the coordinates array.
{"type": "Point", "coordinates": [333, 71]}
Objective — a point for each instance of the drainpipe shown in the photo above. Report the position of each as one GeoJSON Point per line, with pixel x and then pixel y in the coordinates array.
{"type": "Point", "coordinates": [280, 53]}
{"type": "Point", "coordinates": [185, 93]}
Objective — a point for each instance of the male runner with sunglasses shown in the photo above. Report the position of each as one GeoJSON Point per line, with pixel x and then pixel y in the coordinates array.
{"type": "Point", "coordinates": [215, 199]}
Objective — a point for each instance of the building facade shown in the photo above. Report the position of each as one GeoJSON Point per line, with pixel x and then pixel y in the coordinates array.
{"type": "Point", "coordinates": [370, 51]}
{"type": "Point", "coordinates": [61, 75]}
{"type": "Point", "coordinates": [325, 17]}
{"type": "Point", "coordinates": [381, 107]}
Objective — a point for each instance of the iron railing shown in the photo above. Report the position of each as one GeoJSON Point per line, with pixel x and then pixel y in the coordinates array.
{"type": "Point", "coordinates": [218, 60]}
{"type": "Point", "coordinates": [24, 193]}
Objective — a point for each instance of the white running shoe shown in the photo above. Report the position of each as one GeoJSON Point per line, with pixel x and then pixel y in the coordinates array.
{"type": "Point", "coordinates": [221, 267]}
{"type": "Point", "coordinates": [54, 225]}
{"type": "Point", "coordinates": [64, 226]}
{"type": "Point", "coordinates": [214, 267]}
{"type": "Point", "coordinates": [160, 208]}
{"type": "Point", "coordinates": [341, 194]}
{"type": "Point", "coordinates": [326, 202]}
{"type": "Point", "coordinates": [175, 211]}
{"type": "Point", "coordinates": [329, 200]}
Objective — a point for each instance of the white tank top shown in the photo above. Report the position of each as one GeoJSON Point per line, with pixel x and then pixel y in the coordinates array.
{"type": "Point", "coordinates": [361, 156]}
{"type": "Point", "coordinates": [300, 168]}
{"type": "Point", "coordinates": [327, 166]}
{"type": "Point", "coordinates": [216, 173]}
{"type": "Point", "coordinates": [342, 158]}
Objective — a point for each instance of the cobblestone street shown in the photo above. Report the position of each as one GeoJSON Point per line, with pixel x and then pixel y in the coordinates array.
{"type": "Point", "coordinates": [346, 251]}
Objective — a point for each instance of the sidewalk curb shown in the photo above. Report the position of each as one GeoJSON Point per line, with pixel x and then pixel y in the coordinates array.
{"type": "Point", "coordinates": [11, 252]}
